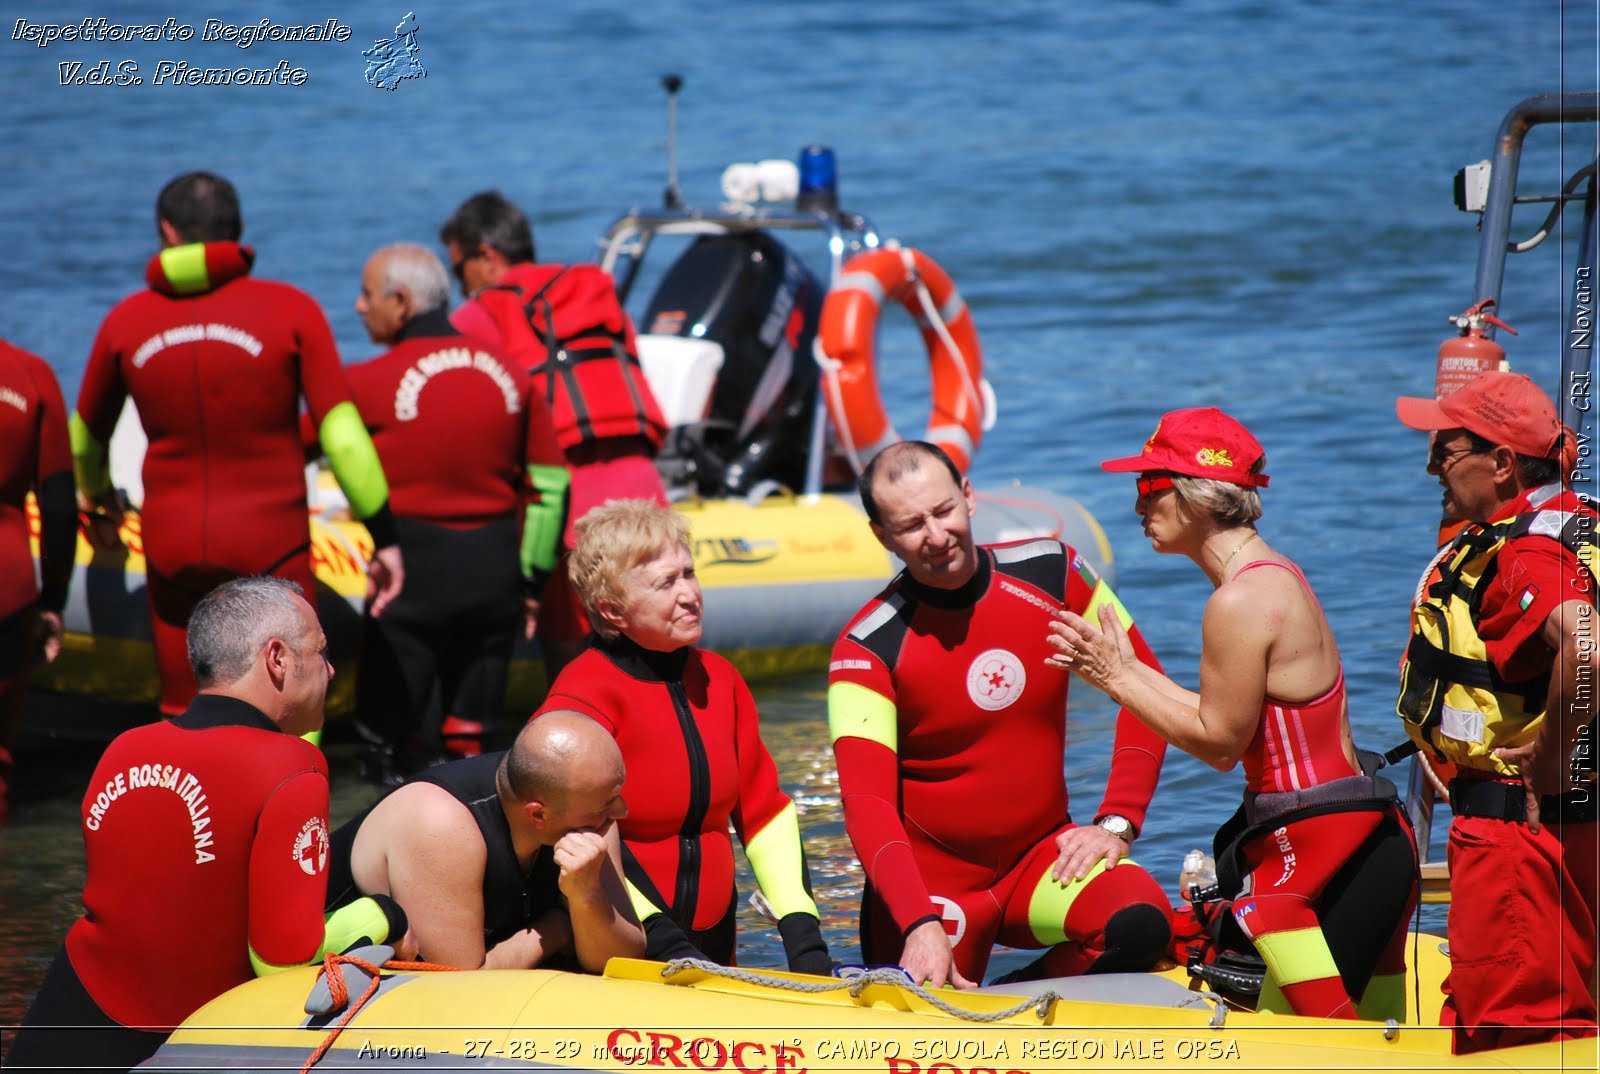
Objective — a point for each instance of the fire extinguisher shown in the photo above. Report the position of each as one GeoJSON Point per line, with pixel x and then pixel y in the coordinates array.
{"type": "Point", "coordinates": [1463, 357]}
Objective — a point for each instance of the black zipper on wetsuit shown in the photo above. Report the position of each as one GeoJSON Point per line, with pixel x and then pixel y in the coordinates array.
{"type": "Point", "coordinates": [688, 885]}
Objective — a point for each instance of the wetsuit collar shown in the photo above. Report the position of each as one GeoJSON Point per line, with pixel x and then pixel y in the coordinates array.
{"type": "Point", "coordinates": [220, 710]}
{"type": "Point", "coordinates": [426, 326]}
{"type": "Point", "coordinates": [198, 267]}
{"type": "Point", "coordinates": [647, 665]}
{"type": "Point", "coordinates": [964, 596]}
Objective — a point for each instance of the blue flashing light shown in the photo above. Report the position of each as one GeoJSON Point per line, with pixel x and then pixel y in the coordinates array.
{"type": "Point", "coordinates": [819, 179]}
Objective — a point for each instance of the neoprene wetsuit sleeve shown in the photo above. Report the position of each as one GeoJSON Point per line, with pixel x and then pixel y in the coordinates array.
{"type": "Point", "coordinates": [803, 946]}
{"type": "Point", "coordinates": [90, 459]}
{"type": "Point", "coordinates": [285, 922]}
{"type": "Point", "coordinates": [354, 461]}
{"type": "Point", "coordinates": [1136, 751]}
{"type": "Point", "coordinates": [863, 725]}
{"type": "Point", "coordinates": [100, 399]}
{"type": "Point", "coordinates": [664, 938]}
{"type": "Point", "coordinates": [544, 519]}
{"type": "Point", "coordinates": [57, 493]}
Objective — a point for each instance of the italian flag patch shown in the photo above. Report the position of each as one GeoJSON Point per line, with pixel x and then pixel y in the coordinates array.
{"type": "Point", "coordinates": [1529, 595]}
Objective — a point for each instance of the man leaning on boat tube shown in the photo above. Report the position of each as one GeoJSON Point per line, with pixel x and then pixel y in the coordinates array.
{"type": "Point", "coordinates": [949, 730]}
{"type": "Point", "coordinates": [1499, 680]}
{"type": "Point", "coordinates": [206, 839]}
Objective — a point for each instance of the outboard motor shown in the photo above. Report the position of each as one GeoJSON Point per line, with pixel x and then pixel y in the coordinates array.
{"type": "Point", "coordinates": [753, 297]}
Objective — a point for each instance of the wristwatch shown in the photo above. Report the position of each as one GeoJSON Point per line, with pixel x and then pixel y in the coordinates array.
{"type": "Point", "coordinates": [1121, 827]}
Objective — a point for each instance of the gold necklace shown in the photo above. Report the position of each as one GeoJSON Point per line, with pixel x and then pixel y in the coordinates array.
{"type": "Point", "coordinates": [1240, 548]}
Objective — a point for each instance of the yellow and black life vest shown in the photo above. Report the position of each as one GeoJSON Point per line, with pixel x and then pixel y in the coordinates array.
{"type": "Point", "coordinates": [1452, 699]}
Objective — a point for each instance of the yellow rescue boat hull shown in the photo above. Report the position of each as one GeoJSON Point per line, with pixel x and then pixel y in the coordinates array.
{"type": "Point", "coordinates": [631, 1020]}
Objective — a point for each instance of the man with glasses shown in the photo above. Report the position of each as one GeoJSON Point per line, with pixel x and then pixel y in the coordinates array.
{"type": "Point", "coordinates": [1500, 679]}
{"type": "Point", "coordinates": [567, 328]}
{"type": "Point", "coordinates": [478, 484]}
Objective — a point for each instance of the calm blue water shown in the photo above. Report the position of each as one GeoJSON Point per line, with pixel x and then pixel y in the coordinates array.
{"type": "Point", "coordinates": [1147, 206]}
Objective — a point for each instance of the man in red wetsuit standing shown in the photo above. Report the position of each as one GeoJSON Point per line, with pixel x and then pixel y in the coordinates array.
{"type": "Point", "coordinates": [206, 842]}
{"type": "Point", "coordinates": [949, 730]}
{"type": "Point", "coordinates": [565, 324]}
{"type": "Point", "coordinates": [217, 363]}
{"type": "Point", "coordinates": [466, 442]}
{"type": "Point", "coordinates": [34, 457]}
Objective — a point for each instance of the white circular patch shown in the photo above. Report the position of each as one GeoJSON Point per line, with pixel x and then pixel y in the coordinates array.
{"type": "Point", "coordinates": [995, 680]}
{"type": "Point", "coordinates": [311, 846]}
{"type": "Point", "coordinates": [953, 917]}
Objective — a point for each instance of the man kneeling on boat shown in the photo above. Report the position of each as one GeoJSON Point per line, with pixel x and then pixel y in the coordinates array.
{"type": "Point", "coordinates": [206, 844]}
{"type": "Point", "coordinates": [949, 730]}
{"type": "Point", "coordinates": [505, 861]}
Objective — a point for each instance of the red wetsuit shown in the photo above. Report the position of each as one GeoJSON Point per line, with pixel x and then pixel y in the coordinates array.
{"type": "Point", "coordinates": [217, 375]}
{"type": "Point", "coordinates": [206, 839]}
{"type": "Point", "coordinates": [1296, 746]}
{"type": "Point", "coordinates": [941, 708]}
{"type": "Point", "coordinates": [606, 418]}
{"type": "Point", "coordinates": [689, 734]}
{"type": "Point", "coordinates": [1522, 924]}
{"type": "Point", "coordinates": [34, 457]}
{"type": "Point", "coordinates": [465, 442]}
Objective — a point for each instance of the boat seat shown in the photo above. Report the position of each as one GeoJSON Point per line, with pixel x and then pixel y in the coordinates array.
{"type": "Point", "coordinates": [1143, 989]}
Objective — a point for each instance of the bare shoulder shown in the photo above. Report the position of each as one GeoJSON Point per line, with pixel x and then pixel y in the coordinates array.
{"type": "Point", "coordinates": [424, 814]}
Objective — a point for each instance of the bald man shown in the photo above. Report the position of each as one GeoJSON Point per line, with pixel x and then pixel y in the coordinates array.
{"type": "Point", "coordinates": [506, 860]}
{"type": "Point", "coordinates": [478, 485]}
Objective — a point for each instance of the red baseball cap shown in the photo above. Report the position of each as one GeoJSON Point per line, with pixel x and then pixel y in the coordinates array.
{"type": "Point", "coordinates": [1503, 408]}
{"type": "Point", "coordinates": [1200, 442]}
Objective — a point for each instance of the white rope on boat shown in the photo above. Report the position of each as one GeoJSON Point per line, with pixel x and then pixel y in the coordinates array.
{"type": "Point", "coordinates": [935, 318]}
{"type": "Point", "coordinates": [830, 367]}
{"type": "Point", "coordinates": [1040, 1005]}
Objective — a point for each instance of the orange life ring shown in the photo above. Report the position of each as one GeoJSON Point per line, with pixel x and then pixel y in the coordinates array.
{"type": "Point", "coordinates": [847, 333]}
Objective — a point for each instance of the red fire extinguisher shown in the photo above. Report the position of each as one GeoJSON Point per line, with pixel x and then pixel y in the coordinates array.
{"type": "Point", "coordinates": [1463, 357]}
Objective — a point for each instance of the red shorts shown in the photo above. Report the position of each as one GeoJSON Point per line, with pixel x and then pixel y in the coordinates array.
{"type": "Point", "coordinates": [1522, 933]}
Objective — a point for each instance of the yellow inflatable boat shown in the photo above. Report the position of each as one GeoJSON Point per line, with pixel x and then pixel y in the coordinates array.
{"type": "Point", "coordinates": [643, 1017]}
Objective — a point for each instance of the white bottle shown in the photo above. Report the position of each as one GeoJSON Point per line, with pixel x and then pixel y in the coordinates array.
{"type": "Point", "coordinates": [1199, 872]}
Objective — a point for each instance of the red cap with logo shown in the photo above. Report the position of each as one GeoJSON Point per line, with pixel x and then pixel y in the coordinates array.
{"type": "Point", "coordinates": [1503, 408]}
{"type": "Point", "coordinates": [1200, 442]}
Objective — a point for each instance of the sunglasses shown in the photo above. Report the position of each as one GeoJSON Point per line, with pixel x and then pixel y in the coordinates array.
{"type": "Point", "coordinates": [1150, 485]}
{"type": "Point", "coordinates": [1438, 458]}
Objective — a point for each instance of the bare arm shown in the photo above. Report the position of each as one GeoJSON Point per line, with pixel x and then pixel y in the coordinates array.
{"type": "Point", "coordinates": [1214, 725]}
{"type": "Point", "coordinates": [603, 922]}
{"type": "Point", "coordinates": [424, 850]}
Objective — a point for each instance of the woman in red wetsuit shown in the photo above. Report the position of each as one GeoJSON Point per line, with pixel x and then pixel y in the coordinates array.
{"type": "Point", "coordinates": [690, 735]}
{"type": "Point", "coordinates": [1271, 696]}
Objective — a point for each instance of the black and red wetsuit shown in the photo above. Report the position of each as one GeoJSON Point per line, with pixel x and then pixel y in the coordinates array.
{"type": "Point", "coordinates": [217, 363]}
{"type": "Point", "coordinates": [206, 839]}
{"type": "Point", "coordinates": [473, 467]}
{"type": "Point", "coordinates": [950, 732]}
{"type": "Point", "coordinates": [606, 418]}
{"type": "Point", "coordinates": [690, 736]}
{"type": "Point", "coordinates": [34, 457]}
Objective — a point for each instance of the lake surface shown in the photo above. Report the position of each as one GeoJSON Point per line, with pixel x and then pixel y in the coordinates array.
{"type": "Point", "coordinates": [1147, 205]}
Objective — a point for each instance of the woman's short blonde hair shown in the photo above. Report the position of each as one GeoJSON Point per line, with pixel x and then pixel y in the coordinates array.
{"type": "Point", "coordinates": [613, 539]}
{"type": "Point", "coordinates": [1223, 500]}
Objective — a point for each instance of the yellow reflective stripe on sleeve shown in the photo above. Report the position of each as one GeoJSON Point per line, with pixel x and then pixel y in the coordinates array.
{"type": "Point", "coordinates": [353, 459]}
{"type": "Point", "coordinates": [90, 461]}
{"type": "Point", "coordinates": [776, 859]}
{"type": "Point", "coordinates": [1050, 901]}
{"type": "Point", "coordinates": [1385, 997]}
{"type": "Point", "coordinates": [262, 967]}
{"type": "Point", "coordinates": [857, 712]}
{"type": "Point", "coordinates": [363, 918]}
{"type": "Point", "coordinates": [541, 523]}
{"type": "Point", "coordinates": [643, 908]}
{"type": "Point", "coordinates": [1297, 955]}
{"type": "Point", "coordinates": [1102, 595]}
{"type": "Point", "coordinates": [185, 268]}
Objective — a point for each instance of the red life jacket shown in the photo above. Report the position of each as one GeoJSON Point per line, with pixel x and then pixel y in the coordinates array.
{"type": "Point", "coordinates": [566, 325]}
